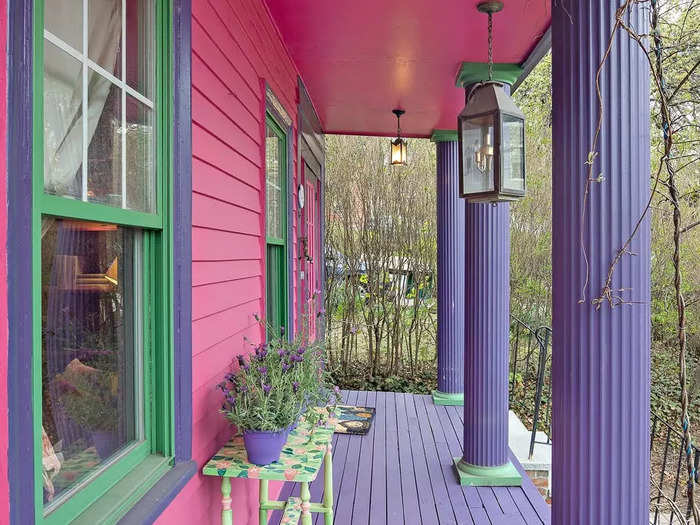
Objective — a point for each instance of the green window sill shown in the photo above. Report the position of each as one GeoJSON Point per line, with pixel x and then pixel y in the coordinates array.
{"type": "Point", "coordinates": [120, 498]}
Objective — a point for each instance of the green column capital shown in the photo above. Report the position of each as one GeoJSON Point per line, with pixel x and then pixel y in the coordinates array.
{"type": "Point", "coordinates": [444, 135]}
{"type": "Point", "coordinates": [473, 72]}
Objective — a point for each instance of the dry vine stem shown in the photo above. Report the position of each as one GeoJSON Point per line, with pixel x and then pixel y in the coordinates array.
{"type": "Point", "coordinates": [608, 294]}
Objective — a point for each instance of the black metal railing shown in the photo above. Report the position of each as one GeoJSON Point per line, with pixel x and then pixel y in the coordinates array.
{"type": "Point", "coordinates": [530, 385]}
{"type": "Point", "coordinates": [668, 477]}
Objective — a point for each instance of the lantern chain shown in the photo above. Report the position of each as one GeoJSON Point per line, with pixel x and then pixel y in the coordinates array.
{"type": "Point", "coordinates": [490, 46]}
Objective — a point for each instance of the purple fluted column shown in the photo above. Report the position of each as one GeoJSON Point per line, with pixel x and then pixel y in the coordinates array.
{"type": "Point", "coordinates": [600, 364]}
{"type": "Point", "coordinates": [486, 309]}
{"type": "Point", "coordinates": [450, 268]}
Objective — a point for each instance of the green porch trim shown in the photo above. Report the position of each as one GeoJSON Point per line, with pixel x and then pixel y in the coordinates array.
{"type": "Point", "coordinates": [473, 72]}
{"type": "Point", "coordinates": [448, 399]}
{"type": "Point", "coordinates": [444, 135]}
{"type": "Point", "coordinates": [475, 476]}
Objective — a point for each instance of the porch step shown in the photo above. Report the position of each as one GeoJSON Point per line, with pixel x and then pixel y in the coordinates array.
{"type": "Point", "coordinates": [292, 511]}
{"type": "Point", "coordinates": [539, 467]}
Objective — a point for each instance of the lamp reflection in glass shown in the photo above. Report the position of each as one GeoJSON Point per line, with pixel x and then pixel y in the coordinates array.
{"type": "Point", "coordinates": [491, 132]}
{"type": "Point", "coordinates": [398, 146]}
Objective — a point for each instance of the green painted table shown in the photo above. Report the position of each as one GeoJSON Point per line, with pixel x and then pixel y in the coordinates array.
{"type": "Point", "coordinates": [300, 461]}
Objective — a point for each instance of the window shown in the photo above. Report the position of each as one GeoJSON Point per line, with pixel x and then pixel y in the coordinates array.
{"type": "Point", "coordinates": [276, 224]}
{"type": "Point", "coordinates": [102, 254]}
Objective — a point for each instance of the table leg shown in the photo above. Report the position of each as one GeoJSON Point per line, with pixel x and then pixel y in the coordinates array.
{"type": "Point", "coordinates": [305, 504]}
{"type": "Point", "coordinates": [226, 512]}
{"type": "Point", "coordinates": [263, 501]}
{"type": "Point", "coordinates": [328, 485]}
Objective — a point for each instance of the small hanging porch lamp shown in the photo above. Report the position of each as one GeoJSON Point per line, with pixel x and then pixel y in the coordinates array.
{"type": "Point", "coordinates": [491, 134]}
{"type": "Point", "coordinates": [398, 146]}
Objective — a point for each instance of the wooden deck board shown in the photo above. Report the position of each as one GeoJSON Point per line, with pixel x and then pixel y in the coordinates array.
{"type": "Point", "coordinates": [378, 494]}
{"type": "Point", "coordinates": [402, 472]}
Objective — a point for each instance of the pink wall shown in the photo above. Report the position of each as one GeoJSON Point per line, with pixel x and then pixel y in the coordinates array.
{"type": "Point", "coordinates": [4, 488]}
{"type": "Point", "coordinates": [235, 49]}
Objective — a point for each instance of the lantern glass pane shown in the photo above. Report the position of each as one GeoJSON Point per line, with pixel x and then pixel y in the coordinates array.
{"type": "Point", "coordinates": [398, 151]}
{"type": "Point", "coordinates": [513, 154]}
{"type": "Point", "coordinates": [478, 154]}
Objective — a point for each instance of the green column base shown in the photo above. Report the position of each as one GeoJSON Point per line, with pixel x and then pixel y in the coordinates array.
{"type": "Point", "coordinates": [474, 476]}
{"type": "Point", "coordinates": [447, 399]}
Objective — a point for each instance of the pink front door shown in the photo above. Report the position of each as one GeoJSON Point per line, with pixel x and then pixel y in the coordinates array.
{"type": "Point", "coordinates": [313, 235]}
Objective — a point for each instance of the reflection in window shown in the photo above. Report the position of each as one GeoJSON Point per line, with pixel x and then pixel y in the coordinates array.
{"type": "Point", "coordinates": [90, 348]}
{"type": "Point", "coordinates": [274, 183]}
{"type": "Point", "coordinates": [98, 105]}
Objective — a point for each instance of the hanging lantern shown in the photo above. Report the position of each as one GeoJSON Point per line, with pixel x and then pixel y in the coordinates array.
{"type": "Point", "coordinates": [398, 146]}
{"type": "Point", "coordinates": [491, 134]}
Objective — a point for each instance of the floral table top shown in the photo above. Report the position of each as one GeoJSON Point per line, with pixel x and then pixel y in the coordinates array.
{"type": "Point", "coordinates": [300, 460]}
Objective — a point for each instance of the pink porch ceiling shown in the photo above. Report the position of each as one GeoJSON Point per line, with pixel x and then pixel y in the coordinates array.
{"type": "Point", "coordinates": [360, 59]}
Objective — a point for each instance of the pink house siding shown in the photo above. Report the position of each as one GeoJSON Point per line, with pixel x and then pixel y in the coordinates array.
{"type": "Point", "coordinates": [4, 487]}
{"type": "Point", "coordinates": [236, 49]}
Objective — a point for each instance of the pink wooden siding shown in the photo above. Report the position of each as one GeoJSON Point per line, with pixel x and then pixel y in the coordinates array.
{"type": "Point", "coordinates": [4, 488]}
{"type": "Point", "coordinates": [236, 48]}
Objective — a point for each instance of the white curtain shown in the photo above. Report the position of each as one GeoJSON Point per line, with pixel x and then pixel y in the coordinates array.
{"type": "Point", "coordinates": [63, 127]}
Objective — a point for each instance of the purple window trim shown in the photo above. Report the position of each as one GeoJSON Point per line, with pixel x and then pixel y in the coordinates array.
{"type": "Point", "coordinates": [182, 225]}
{"type": "Point", "coordinates": [19, 250]}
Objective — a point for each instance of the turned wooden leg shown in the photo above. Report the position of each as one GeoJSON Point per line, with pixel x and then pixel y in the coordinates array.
{"type": "Point", "coordinates": [226, 512]}
{"type": "Point", "coordinates": [263, 501]}
{"type": "Point", "coordinates": [305, 504]}
{"type": "Point", "coordinates": [328, 485]}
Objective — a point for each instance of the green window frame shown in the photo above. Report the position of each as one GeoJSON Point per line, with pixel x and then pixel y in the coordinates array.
{"type": "Point", "coordinates": [276, 238]}
{"type": "Point", "coordinates": [108, 493]}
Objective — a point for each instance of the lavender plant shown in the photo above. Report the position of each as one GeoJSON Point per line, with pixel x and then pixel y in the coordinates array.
{"type": "Point", "coordinates": [277, 384]}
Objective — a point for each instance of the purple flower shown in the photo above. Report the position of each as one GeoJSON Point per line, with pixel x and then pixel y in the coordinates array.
{"type": "Point", "coordinates": [221, 386]}
{"type": "Point", "coordinates": [263, 370]}
{"type": "Point", "coordinates": [241, 360]}
{"type": "Point", "coordinates": [285, 367]}
{"type": "Point", "coordinates": [230, 397]}
{"type": "Point", "coordinates": [266, 389]}
{"type": "Point", "coordinates": [301, 350]}
{"type": "Point", "coordinates": [281, 352]}
{"type": "Point", "coordinates": [281, 330]}
{"type": "Point", "coordinates": [243, 388]}
{"type": "Point", "coordinates": [230, 377]}
{"type": "Point", "coordinates": [295, 386]}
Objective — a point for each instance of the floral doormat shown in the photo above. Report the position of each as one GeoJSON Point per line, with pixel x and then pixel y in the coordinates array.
{"type": "Point", "coordinates": [353, 420]}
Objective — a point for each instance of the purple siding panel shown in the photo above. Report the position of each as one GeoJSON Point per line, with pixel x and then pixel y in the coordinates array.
{"type": "Point", "coordinates": [600, 363]}
{"type": "Point", "coordinates": [487, 305]}
{"type": "Point", "coordinates": [450, 282]}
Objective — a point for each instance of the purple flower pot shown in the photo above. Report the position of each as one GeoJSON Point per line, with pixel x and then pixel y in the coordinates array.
{"type": "Point", "coordinates": [264, 447]}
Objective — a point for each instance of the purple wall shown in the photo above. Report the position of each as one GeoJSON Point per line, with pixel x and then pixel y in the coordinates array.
{"type": "Point", "coordinates": [486, 313]}
{"type": "Point", "coordinates": [600, 363]}
{"type": "Point", "coordinates": [450, 257]}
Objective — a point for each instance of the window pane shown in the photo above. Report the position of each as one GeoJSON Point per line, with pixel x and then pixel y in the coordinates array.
{"type": "Point", "coordinates": [90, 348]}
{"type": "Point", "coordinates": [513, 153]}
{"type": "Point", "coordinates": [140, 165]}
{"type": "Point", "coordinates": [140, 24]}
{"type": "Point", "coordinates": [63, 129]}
{"type": "Point", "coordinates": [64, 18]}
{"type": "Point", "coordinates": [274, 184]}
{"type": "Point", "coordinates": [477, 154]}
{"type": "Point", "coordinates": [104, 152]}
{"type": "Point", "coordinates": [105, 34]}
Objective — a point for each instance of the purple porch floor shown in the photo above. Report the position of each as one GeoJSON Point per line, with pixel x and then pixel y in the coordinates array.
{"type": "Point", "coordinates": [402, 472]}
